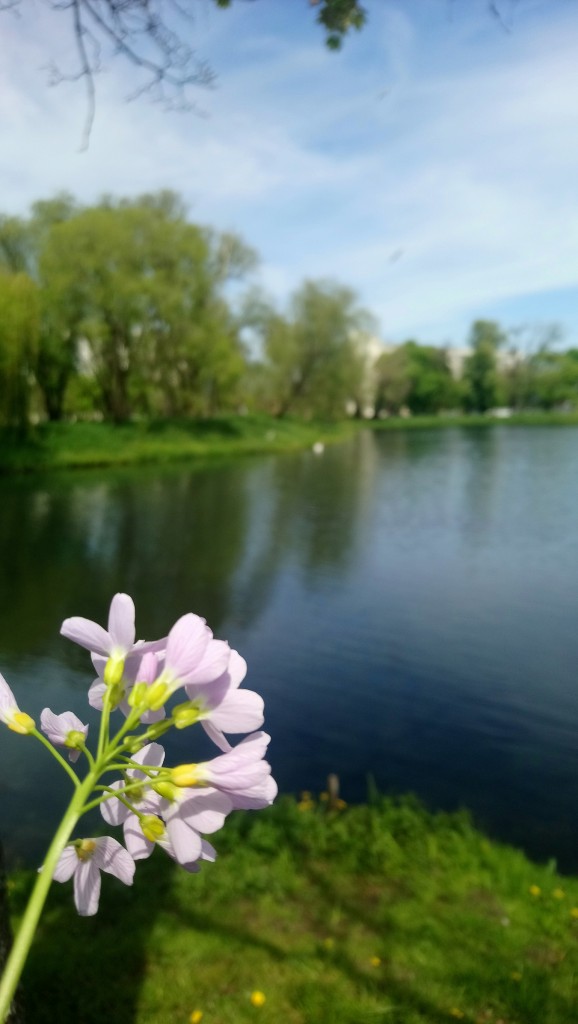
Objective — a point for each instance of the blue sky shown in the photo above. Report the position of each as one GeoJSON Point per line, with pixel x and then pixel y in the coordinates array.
{"type": "Point", "coordinates": [432, 164]}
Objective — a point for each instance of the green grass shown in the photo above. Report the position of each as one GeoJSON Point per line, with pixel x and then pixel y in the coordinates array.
{"type": "Point", "coordinates": [379, 913]}
{"type": "Point", "coordinates": [86, 445]}
{"type": "Point", "coordinates": [91, 445]}
{"type": "Point", "coordinates": [518, 419]}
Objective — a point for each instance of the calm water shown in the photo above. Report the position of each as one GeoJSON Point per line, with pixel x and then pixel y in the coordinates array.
{"type": "Point", "coordinates": [407, 603]}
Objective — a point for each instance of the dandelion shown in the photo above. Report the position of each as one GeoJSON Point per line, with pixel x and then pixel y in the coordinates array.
{"type": "Point", "coordinates": [258, 998]}
{"type": "Point", "coordinates": [516, 976]}
{"type": "Point", "coordinates": [535, 890]}
{"type": "Point", "coordinates": [375, 961]}
{"type": "Point", "coordinates": [558, 894]}
{"type": "Point", "coordinates": [455, 1012]}
{"type": "Point", "coordinates": [574, 912]}
{"type": "Point", "coordinates": [85, 859]}
{"type": "Point", "coordinates": [196, 1017]}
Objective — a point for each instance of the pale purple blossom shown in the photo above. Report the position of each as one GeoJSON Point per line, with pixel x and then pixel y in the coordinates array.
{"type": "Point", "coordinates": [241, 773]}
{"type": "Point", "coordinates": [222, 707]}
{"type": "Point", "coordinates": [137, 669]}
{"type": "Point", "coordinates": [192, 657]}
{"type": "Point", "coordinates": [85, 859]}
{"type": "Point", "coordinates": [65, 730]}
{"type": "Point", "coordinates": [116, 643]}
{"type": "Point", "coordinates": [191, 812]}
{"type": "Point", "coordinates": [10, 713]}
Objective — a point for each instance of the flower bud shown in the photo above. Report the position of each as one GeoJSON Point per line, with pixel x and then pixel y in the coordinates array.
{"type": "Point", "coordinates": [21, 722]}
{"type": "Point", "coordinates": [157, 695]}
{"type": "Point", "coordinates": [75, 739]}
{"type": "Point", "coordinates": [185, 775]}
{"type": "Point", "coordinates": [185, 714]}
{"type": "Point", "coordinates": [137, 695]}
{"type": "Point", "coordinates": [153, 828]}
{"type": "Point", "coordinates": [113, 670]}
{"type": "Point", "coordinates": [165, 789]}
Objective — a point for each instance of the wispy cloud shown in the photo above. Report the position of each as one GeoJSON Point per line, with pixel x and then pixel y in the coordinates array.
{"type": "Point", "coordinates": [433, 168]}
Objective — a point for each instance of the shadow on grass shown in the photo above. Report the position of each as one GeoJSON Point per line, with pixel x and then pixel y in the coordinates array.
{"type": "Point", "coordinates": [90, 970]}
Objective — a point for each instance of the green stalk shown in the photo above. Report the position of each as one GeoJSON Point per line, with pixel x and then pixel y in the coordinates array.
{"type": "Point", "coordinates": [29, 923]}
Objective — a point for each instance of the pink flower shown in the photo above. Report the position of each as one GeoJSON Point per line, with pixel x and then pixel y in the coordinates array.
{"type": "Point", "coordinates": [222, 707]}
{"type": "Point", "coordinates": [65, 730]}
{"type": "Point", "coordinates": [10, 713]}
{"type": "Point", "coordinates": [114, 644]}
{"type": "Point", "coordinates": [85, 859]}
{"type": "Point", "coordinates": [241, 773]}
{"type": "Point", "coordinates": [192, 657]}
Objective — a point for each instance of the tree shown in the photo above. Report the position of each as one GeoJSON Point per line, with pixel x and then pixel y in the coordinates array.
{"type": "Point", "coordinates": [149, 304]}
{"type": "Point", "coordinates": [312, 359]}
{"type": "Point", "coordinates": [481, 371]}
{"type": "Point", "coordinates": [19, 326]}
{"type": "Point", "coordinates": [416, 376]}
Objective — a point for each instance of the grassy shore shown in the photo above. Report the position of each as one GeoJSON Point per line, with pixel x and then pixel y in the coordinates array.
{"type": "Point", "coordinates": [86, 445]}
{"type": "Point", "coordinates": [378, 913]}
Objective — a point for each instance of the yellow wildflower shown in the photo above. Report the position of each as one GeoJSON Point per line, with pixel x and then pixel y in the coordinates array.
{"type": "Point", "coordinates": [306, 805]}
{"type": "Point", "coordinates": [535, 890]}
{"type": "Point", "coordinates": [516, 976]}
{"type": "Point", "coordinates": [375, 961]}
{"type": "Point", "coordinates": [258, 998]}
{"type": "Point", "coordinates": [196, 1017]}
{"type": "Point", "coordinates": [574, 912]}
{"type": "Point", "coordinates": [454, 1012]}
{"type": "Point", "coordinates": [558, 894]}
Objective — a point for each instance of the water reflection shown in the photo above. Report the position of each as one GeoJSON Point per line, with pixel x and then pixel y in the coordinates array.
{"type": "Point", "coordinates": [406, 603]}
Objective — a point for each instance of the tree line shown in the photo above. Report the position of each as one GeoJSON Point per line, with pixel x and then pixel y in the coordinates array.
{"type": "Point", "coordinates": [126, 308]}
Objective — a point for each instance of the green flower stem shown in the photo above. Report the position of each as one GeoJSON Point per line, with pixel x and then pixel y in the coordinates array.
{"type": "Point", "coordinates": [103, 736]}
{"type": "Point", "coordinates": [29, 923]}
{"type": "Point", "coordinates": [118, 793]}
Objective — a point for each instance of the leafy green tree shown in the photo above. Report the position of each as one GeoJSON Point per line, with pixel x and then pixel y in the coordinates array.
{"type": "Point", "coordinates": [481, 371]}
{"type": "Point", "coordinates": [148, 300]}
{"type": "Point", "coordinates": [19, 328]}
{"type": "Point", "coordinates": [393, 382]}
{"type": "Point", "coordinates": [416, 376]}
{"type": "Point", "coordinates": [313, 362]}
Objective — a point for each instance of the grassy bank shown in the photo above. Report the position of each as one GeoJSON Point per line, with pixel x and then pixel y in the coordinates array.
{"type": "Point", "coordinates": [519, 419]}
{"type": "Point", "coordinates": [375, 913]}
{"type": "Point", "coordinates": [86, 445]}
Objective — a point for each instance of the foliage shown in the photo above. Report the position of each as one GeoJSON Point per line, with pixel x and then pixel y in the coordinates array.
{"type": "Point", "coordinates": [417, 377]}
{"type": "Point", "coordinates": [312, 360]}
{"type": "Point", "coordinates": [481, 370]}
{"type": "Point", "coordinates": [131, 294]}
{"type": "Point", "coordinates": [19, 329]}
{"type": "Point", "coordinates": [382, 911]}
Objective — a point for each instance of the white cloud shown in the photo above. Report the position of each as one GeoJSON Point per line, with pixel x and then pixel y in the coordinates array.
{"type": "Point", "coordinates": [434, 173]}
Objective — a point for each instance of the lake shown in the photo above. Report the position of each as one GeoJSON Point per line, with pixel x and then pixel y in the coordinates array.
{"type": "Point", "coordinates": [407, 603]}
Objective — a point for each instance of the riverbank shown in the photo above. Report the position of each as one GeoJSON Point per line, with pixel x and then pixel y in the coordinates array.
{"type": "Point", "coordinates": [380, 912]}
{"type": "Point", "coordinates": [91, 445]}
{"type": "Point", "coordinates": [86, 445]}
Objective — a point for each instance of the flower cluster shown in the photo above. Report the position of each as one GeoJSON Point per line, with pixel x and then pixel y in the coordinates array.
{"type": "Point", "coordinates": [156, 805]}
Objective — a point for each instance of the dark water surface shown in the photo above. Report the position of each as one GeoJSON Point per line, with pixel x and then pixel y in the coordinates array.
{"type": "Point", "coordinates": [407, 603]}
